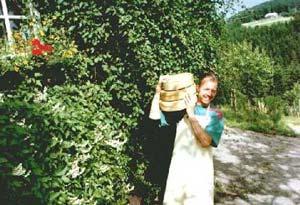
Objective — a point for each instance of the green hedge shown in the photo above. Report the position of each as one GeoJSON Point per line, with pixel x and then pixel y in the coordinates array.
{"type": "Point", "coordinates": [89, 102]}
{"type": "Point", "coordinates": [68, 146]}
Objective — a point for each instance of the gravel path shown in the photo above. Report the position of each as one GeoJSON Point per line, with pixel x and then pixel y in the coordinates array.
{"type": "Point", "coordinates": [253, 168]}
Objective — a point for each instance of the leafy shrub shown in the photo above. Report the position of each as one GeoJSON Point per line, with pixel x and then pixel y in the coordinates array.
{"type": "Point", "coordinates": [293, 99]}
{"type": "Point", "coordinates": [264, 116]}
{"type": "Point", "coordinates": [246, 70]}
{"type": "Point", "coordinates": [120, 48]}
{"type": "Point", "coordinates": [68, 147]}
{"type": "Point", "coordinates": [259, 122]}
{"type": "Point", "coordinates": [275, 106]}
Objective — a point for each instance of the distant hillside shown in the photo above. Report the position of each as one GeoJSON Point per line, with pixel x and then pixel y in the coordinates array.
{"type": "Point", "coordinates": [283, 7]}
{"type": "Point", "coordinates": [268, 21]}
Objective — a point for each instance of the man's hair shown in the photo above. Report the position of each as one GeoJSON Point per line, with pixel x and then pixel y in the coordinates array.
{"type": "Point", "coordinates": [208, 76]}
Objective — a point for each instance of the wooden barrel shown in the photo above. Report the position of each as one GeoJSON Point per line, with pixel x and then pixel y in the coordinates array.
{"type": "Point", "coordinates": [174, 88]}
{"type": "Point", "coordinates": [178, 81]}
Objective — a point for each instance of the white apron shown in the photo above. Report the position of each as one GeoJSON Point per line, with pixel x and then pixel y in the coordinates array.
{"type": "Point", "coordinates": [191, 173]}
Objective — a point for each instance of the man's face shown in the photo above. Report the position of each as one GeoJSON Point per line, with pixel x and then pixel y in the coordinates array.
{"type": "Point", "coordinates": [207, 92]}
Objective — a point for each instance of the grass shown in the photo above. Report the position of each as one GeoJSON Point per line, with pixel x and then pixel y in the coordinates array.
{"type": "Point", "coordinates": [257, 121]}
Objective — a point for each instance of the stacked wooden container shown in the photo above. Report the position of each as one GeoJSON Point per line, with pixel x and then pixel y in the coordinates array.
{"type": "Point", "coordinates": [174, 89]}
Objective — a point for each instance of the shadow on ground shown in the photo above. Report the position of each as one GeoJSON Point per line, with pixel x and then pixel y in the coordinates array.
{"type": "Point", "coordinates": [258, 169]}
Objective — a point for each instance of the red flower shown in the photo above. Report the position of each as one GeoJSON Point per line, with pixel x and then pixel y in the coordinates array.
{"type": "Point", "coordinates": [47, 48]}
{"type": "Point", "coordinates": [36, 52]}
{"type": "Point", "coordinates": [35, 42]}
{"type": "Point", "coordinates": [38, 48]}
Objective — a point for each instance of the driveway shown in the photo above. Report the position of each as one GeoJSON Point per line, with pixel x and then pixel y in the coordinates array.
{"type": "Point", "coordinates": [253, 168]}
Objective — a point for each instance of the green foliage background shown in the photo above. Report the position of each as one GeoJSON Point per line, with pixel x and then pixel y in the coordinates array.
{"type": "Point", "coordinates": [68, 118]}
{"type": "Point", "coordinates": [245, 70]}
{"type": "Point", "coordinates": [71, 150]}
{"type": "Point", "coordinates": [260, 70]}
{"type": "Point", "coordinates": [66, 123]}
{"type": "Point", "coordinates": [280, 43]}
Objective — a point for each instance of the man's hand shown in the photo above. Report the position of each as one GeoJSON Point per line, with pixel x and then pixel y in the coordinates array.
{"type": "Point", "coordinates": [155, 110]}
{"type": "Point", "coordinates": [190, 104]}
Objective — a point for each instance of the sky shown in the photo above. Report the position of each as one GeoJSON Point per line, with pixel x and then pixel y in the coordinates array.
{"type": "Point", "coordinates": [250, 3]}
{"type": "Point", "coordinates": [247, 4]}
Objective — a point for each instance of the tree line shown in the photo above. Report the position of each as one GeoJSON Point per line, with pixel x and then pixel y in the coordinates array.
{"type": "Point", "coordinates": [259, 68]}
{"type": "Point", "coordinates": [280, 42]}
{"type": "Point", "coordinates": [283, 7]}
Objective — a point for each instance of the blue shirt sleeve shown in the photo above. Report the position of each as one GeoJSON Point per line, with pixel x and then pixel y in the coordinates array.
{"type": "Point", "coordinates": [215, 128]}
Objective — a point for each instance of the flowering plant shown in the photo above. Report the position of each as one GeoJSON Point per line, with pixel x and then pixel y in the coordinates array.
{"type": "Point", "coordinates": [39, 48]}
{"type": "Point", "coordinates": [28, 54]}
